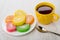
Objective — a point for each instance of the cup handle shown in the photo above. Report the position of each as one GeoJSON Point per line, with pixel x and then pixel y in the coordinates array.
{"type": "Point", "coordinates": [56, 17]}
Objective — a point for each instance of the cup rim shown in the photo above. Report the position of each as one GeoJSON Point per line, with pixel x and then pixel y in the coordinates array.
{"type": "Point", "coordinates": [47, 5]}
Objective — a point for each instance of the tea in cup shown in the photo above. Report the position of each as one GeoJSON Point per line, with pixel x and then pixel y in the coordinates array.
{"type": "Point", "coordinates": [45, 12]}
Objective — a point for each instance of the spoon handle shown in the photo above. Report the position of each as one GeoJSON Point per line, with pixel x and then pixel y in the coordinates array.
{"type": "Point", "coordinates": [54, 33]}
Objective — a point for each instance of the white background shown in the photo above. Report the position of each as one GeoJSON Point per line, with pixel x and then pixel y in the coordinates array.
{"type": "Point", "coordinates": [8, 6]}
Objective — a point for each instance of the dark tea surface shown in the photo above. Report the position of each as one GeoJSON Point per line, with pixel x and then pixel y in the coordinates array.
{"type": "Point", "coordinates": [44, 10]}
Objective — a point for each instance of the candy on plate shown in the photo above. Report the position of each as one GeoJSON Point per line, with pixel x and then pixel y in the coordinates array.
{"type": "Point", "coordinates": [18, 21]}
{"type": "Point", "coordinates": [23, 28]}
{"type": "Point", "coordinates": [29, 19]}
{"type": "Point", "coordinates": [10, 27]}
{"type": "Point", "coordinates": [20, 13]}
{"type": "Point", "coordinates": [9, 18]}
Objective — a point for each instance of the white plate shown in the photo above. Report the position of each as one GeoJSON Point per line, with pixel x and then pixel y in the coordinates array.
{"type": "Point", "coordinates": [18, 33]}
{"type": "Point", "coordinates": [9, 9]}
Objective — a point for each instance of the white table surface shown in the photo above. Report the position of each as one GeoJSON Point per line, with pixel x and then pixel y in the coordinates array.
{"type": "Point", "coordinates": [28, 6]}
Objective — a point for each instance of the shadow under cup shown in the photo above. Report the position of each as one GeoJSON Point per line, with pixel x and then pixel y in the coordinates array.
{"type": "Point", "coordinates": [44, 15]}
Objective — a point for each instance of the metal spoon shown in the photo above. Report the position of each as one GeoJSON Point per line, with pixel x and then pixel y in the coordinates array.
{"type": "Point", "coordinates": [43, 30]}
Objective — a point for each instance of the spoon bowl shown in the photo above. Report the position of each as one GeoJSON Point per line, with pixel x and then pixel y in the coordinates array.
{"type": "Point", "coordinates": [41, 29]}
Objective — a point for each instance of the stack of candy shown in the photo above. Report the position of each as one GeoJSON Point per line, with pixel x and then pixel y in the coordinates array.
{"type": "Point", "coordinates": [20, 21]}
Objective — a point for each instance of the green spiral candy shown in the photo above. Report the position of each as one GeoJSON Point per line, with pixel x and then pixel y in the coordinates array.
{"type": "Point", "coordinates": [23, 28]}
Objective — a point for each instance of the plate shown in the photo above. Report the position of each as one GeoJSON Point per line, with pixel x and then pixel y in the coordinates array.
{"type": "Point", "coordinates": [16, 33]}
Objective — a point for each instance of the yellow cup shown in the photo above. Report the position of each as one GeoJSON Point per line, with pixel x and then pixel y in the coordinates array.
{"type": "Point", "coordinates": [46, 18]}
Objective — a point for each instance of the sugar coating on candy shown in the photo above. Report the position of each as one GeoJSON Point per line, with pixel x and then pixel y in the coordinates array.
{"type": "Point", "coordinates": [23, 28]}
{"type": "Point", "coordinates": [9, 18]}
{"type": "Point", "coordinates": [29, 19]}
{"type": "Point", "coordinates": [18, 21]}
{"type": "Point", "coordinates": [10, 27]}
{"type": "Point", "coordinates": [20, 13]}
